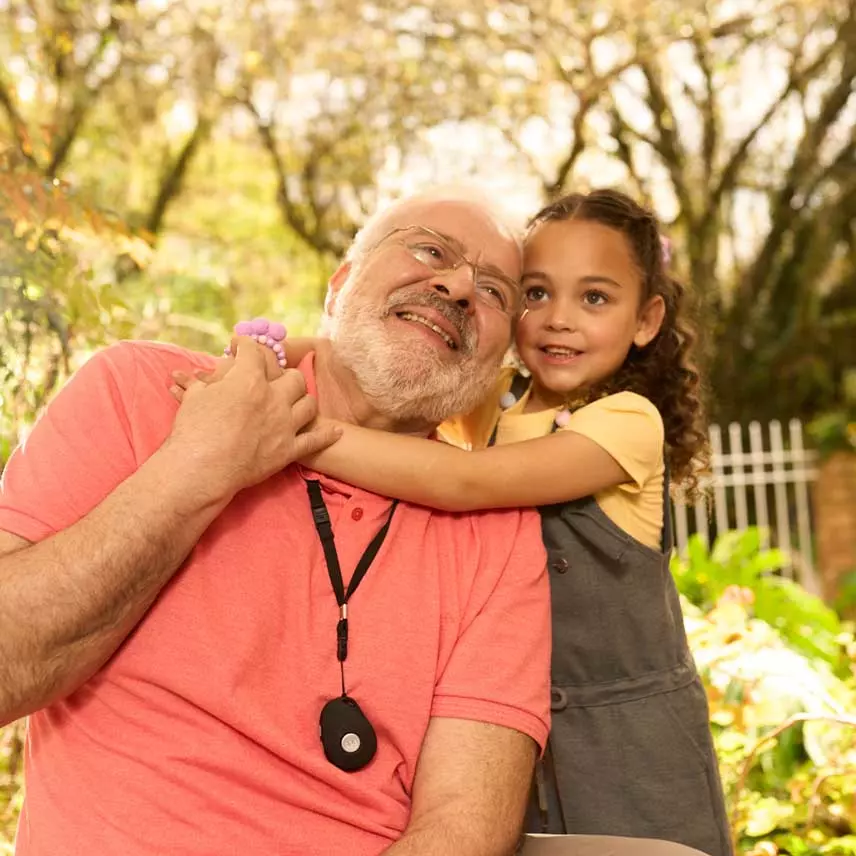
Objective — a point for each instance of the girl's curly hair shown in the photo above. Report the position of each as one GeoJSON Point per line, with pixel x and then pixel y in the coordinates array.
{"type": "Point", "coordinates": [663, 371]}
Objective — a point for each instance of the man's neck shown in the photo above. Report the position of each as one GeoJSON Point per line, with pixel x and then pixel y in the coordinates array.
{"type": "Point", "coordinates": [340, 397]}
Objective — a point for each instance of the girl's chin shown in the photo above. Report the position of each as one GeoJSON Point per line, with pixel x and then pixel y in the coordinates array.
{"type": "Point", "coordinates": [552, 395]}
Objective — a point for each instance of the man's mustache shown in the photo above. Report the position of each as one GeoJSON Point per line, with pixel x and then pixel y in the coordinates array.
{"type": "Point", "coordinates": [453, 313]}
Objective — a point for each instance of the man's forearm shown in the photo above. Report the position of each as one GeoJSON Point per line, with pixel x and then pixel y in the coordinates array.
{"type": "Point", "coordinates": [444, 838]}
{"type": "Point", "coordinates": [469, 792]}
{"type": "Point", "coordinates": [67, 603]}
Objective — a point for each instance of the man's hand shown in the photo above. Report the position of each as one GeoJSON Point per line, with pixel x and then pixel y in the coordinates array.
{"type": "Point", "coordinates": [182, 380]}
{"type": "Point", "coordinates": [244, 428]}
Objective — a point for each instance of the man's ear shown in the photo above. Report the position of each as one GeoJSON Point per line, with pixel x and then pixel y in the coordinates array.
{"type": "Point", "coordinates": [650, 321]}
{"type": "Point", "coordinates": [334, 286]}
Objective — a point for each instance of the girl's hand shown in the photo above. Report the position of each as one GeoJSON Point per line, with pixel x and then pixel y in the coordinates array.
{"type": "Point", "coordinates": [274, 360]}
{"type": "Point", "coordinates": [181, 380]}
{"type": "Point", "coordinates": [271, 334]}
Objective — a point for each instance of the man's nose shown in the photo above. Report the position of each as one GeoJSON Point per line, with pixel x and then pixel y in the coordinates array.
{"type": "Point", "coordinates": [459, 286]}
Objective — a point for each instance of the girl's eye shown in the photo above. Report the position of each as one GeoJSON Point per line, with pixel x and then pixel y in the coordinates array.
{"type": "Point", "coordinates": [535, 294]}
{"type": "Point", "coordinates": [595, 298]}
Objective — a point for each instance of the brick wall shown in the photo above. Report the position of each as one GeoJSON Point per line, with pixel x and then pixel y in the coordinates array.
{"type": "Point", "coordinates": [835, 520]}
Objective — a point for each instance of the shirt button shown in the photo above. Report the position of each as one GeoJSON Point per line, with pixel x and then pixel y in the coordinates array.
{"type": "Point", "coordinates": [560, 565]}
{"type": "Point", "coordinates": [558, 699]}
{"type": "Point", "coordinates": [357, 514]}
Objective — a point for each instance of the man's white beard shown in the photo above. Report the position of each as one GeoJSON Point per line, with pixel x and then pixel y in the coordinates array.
{"type": "Point", "coordinates": [405, 377]}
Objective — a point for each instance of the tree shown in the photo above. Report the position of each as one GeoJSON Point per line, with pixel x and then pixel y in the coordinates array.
{"type": "Point", "coordinates": [75, 70]}
{"type": "Point", "coordinates": [661, 95]}
{"type": "Point", "coordinates": [324, 101]}
{"type": "Point", "coordinates": [53, 297]}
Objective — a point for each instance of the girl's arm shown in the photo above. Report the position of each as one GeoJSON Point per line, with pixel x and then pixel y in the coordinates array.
{"type": "Point", "coordinates": [295, 351]}
{"type": "Point", "coordinates": [557, 468]}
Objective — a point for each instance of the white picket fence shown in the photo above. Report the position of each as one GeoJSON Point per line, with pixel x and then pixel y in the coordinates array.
{"type": "Point", "coordinates": [746, 481]}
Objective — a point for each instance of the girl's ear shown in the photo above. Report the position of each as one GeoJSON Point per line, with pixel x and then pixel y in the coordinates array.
{"type": "Point", "coordinates": [334, 286]}
{"type": "Point", "coordinates": [650, 320]}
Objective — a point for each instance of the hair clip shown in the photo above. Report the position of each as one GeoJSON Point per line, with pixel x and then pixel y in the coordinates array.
{"type": "Point", "coordinates": [665, 250]}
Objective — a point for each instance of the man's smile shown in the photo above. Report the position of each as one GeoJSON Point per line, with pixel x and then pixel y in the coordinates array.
{"type": "Point", "coordinates": [443, 329]}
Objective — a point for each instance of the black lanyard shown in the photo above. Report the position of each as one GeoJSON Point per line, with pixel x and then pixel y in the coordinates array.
{"type": "Point", "coordinates": [325, 534]}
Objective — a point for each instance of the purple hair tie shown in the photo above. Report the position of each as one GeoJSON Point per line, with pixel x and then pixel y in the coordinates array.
{"type": "Point", "coordinates": [666, 250]}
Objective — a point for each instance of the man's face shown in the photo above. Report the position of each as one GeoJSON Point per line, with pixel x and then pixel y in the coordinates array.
{"type": "Point", "coordinates": [422, 330]}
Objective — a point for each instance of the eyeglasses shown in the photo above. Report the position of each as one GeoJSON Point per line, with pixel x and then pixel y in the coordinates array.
{"type": "Point", "coordinates": [440, 254]}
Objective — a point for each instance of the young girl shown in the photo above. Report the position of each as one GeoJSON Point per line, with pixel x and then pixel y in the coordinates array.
{"type": "Point", "coordinates": [607, 410]}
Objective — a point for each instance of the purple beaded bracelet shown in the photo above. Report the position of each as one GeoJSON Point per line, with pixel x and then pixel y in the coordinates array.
{"type": "Point", "coordinates": [271, 334]}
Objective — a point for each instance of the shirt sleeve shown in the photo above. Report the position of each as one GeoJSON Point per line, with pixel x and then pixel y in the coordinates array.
{"type": "Point", "coordinates": [472, 430]}
{"type": "Point", "coordinates": [629, 428]}
{"type": "Point", "coordinates": [89, 439]}
{"type": "Point", "coordinates": [77, 452]}
{"type": "Point", "coordinates": [498, 671]}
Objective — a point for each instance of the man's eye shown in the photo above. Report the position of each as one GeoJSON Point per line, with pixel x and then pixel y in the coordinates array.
{"type": "Point", "coordinates": [430, 254]}
{"type": "Point", "coordinates": [493, 293]}
{"type": "Point", "coordinates": [535, 294]}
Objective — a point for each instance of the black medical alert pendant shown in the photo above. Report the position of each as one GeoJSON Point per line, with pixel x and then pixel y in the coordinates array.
{"type": "Point", "coordinates": [348, 738]}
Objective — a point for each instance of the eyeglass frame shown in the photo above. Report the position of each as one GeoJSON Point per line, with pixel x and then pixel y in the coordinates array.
{"type": "Point", "coordinates": [511, 312]}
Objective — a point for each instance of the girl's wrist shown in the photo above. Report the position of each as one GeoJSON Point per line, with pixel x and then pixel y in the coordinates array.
{"type": "Point", "coordinates": [270, 334]}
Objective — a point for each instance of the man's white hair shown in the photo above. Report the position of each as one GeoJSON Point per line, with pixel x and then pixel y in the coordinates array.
{"type": "Point", "coordinates": [507, 223]}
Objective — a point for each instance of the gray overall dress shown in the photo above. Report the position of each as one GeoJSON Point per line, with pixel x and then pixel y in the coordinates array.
{"type": "Point", "coordinates": [630, 751]}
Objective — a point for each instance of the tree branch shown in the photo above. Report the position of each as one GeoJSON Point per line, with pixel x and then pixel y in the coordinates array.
{"type": "Point", "coordinates": [620, 133]}
{"type": "Point", "coordinates": [782, 211]}
{"type": "Point", "coordinates": [173, 177]}
{"type": "Point", "coordinates": [18, 125]}
{"type": "Point", "coordinates": [668, 144]}
{"type": "Point", "coordinates": [531, 161]}
{"type": "Point", "coordinates": [554, 188]}
{"type": "Point", "coordinates": [83, 103]}
{"type": "Point", "coordinates": [588, 96]}
{"type": "Point", "coordinates": [796, 81]}
{"type": "Point", "coordinates": [707, 107]}
{"type": "Point", "coordinates": [313, 238]}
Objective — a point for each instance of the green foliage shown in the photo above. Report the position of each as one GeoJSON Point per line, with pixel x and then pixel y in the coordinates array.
{"type": "Point", "coordinates": [784, 732]}
{"type": "Point", "coordinates": [57, 293]}
{"type": "Point", "coordinates": [835, 431]}
{"type": "Point", "coordinates": [738, 563]}
{"type": "Point", "coordinates": [11, 794]}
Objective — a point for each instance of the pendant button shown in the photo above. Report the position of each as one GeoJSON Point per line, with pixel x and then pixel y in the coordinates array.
{"type": "Point", "coordinates": [351, 743]}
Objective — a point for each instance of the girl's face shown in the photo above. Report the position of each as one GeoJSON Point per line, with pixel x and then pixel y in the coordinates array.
{"type": "Point", "coordinates": [583, 293]}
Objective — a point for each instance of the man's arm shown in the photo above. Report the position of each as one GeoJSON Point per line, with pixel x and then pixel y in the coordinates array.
{"type": "Point", "coordinates": [470, 791]}
{"type": "Point", "coordinates": [68, 602]}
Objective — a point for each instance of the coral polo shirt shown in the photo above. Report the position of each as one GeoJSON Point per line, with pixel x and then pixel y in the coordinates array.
{"type": "Point", "coordinates": [200, 735]}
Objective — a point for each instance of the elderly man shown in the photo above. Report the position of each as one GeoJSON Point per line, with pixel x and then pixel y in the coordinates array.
{"type": "Point", "coordinates": [180, 624]}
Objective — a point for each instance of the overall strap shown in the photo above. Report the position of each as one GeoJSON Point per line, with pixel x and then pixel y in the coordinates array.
{"type": "Point", "coordinates": [519, 385]}
{"type": "Point", "coordinates": [666, 540]}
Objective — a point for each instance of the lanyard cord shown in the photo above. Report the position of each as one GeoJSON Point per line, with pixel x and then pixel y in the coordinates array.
{"type": "Point", "coordinates": [325, 533]}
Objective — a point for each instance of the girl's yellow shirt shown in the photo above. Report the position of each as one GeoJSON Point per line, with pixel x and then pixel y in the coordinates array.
{"type": "Point", "coordinates": [625, 425]}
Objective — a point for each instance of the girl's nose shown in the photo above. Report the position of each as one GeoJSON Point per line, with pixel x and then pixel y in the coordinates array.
{"type": "Point", "coordinates": [559, 317]}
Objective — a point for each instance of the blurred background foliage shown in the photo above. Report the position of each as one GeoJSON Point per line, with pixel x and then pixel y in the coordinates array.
{"type": "Point", "coordinates": [170, 166]}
